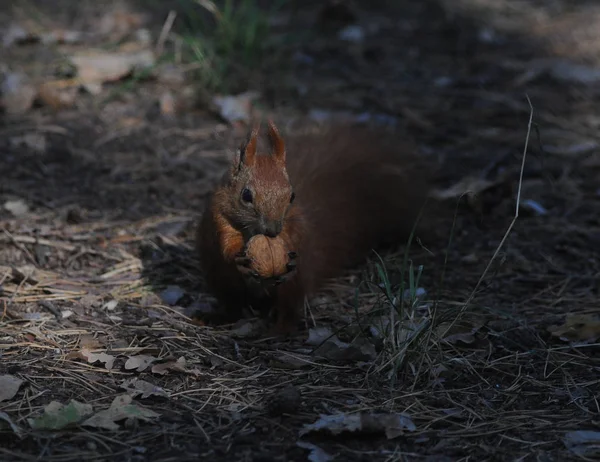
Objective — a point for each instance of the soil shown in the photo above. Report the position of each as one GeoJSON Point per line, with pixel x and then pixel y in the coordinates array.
{"type": "Point", "coordinates": [103, 259]}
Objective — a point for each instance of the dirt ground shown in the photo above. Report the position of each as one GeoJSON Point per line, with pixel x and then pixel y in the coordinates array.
{"type": "Point", "coordinates": [99, 279]}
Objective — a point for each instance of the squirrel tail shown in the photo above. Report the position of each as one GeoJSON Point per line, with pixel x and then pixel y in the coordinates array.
{"type": "Point", "coordinates": [358, 189]}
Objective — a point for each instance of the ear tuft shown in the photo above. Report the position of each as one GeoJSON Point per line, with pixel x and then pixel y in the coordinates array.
{"type": "Point", "coordinates": [248, 148]}
{"type": "Point", "coordinates": [277, 143]}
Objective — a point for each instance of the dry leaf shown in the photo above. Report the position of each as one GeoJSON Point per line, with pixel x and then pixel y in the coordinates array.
{"type": "Point", "coordinates": [236, 108]}
{"type": "Point", "coordinates": [104, 358]}
{"type": "Point", "coordinates": [286, 360]}
{"type": "Point", "coordinates": [17, 207]}
{"type": "Point", "coordinates": [96, 67]}
{"type": "Point", "coordinates": [246, 329]}
{"type": "Point", "coordinates": [17, 93]}
{"type": "Point", "coordinates": [172, 294]}
{"type": "Point", "coordinates": [120, 409]}
{"type": "Point", "coordinates": [137, 387]}
{"type": "Point", "coordinates": [58, 94]}
{"type": "Point", "coordinates": [316, 453]}
{"type": "Point", "coordinates": [120, 22]}
{"type": "Point", "coordinates": [139, 362]}
{"type": "Point", "coordinates": [33, 141]}
{"type": "Point", "coordinates": [583, 443]}
{"type": "Point", "coordinates": [167, 103]}
{"type": "Point", "coordinates": [393, 425]}
{"type": "Point", "coordinates": [459, 331]}
{"type": "Point", "coordinates": [578, 328]}
{"type": "Point", "coordinates": [9, 386]}
{"type": "Point", "coordinates": [164, 368]}
{"type": "Point", "coordinates": [57, 416]}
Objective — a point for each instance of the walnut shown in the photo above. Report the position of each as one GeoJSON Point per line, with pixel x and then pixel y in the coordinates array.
{"type": "Point", "coordinates": [269, 255]}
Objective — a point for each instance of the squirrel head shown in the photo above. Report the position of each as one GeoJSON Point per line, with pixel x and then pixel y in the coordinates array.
{"type": "Point", "coordinates": [259, 190]}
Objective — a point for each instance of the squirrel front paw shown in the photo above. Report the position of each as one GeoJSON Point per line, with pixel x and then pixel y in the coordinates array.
{"type": "Point", "coordinates": [245, 265]}
{"type": "Point", "coordinates": [290, 269]}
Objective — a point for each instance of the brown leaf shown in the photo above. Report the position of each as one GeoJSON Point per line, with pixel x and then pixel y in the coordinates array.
{"type": "Point", "coordinates": [104, 358]}
{"type": "Point", "coordinates": [121, 408]}
{"type": "Point", "coordinates": [392, 425]}
{"type": "Point", "coordinates": [9, 386]}
{"type": "Point", "coordinates": [164, 368]}
{"type": "Point", "coordinates": [17, 93]}
{"type": "Point", "coordinates": [137, 387]}
{"type": "Point", "coordinates": [58, 94]}
{"type": "Point", "coordinates": [139, 362]}
{"type": "Point", "coordinates": [95, 67]}
{"type": "Point", "coordinates": [578, 328]}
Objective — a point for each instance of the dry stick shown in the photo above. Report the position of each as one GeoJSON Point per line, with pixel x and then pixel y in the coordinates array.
{"type": "Point", "coordinates": [164, 33]}
{"type": "Point", "coordinates": [512, 223]}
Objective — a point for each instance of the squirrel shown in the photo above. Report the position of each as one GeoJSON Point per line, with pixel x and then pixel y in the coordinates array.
{"type": "Point", "coordinates": [332, 198]}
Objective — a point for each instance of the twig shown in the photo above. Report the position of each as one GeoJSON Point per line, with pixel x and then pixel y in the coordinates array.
{"type": "Point", "coordinates": [517, 208]}
{"type": "Point", "coordinates": [164, 33]}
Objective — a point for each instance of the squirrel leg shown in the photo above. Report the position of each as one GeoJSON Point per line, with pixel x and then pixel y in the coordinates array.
{"type": "Point", "coordinates": [287, 307]}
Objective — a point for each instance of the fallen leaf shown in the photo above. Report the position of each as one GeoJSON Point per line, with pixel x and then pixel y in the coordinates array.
{"type": "Point", "coordinates": [246, 329]}
{"type": "Point", "coordinates": [286, 360]}
{"type": "Point", "coordinates": [172, 294]}
{"type": "Point", "coordinates": [392, 425]}
{"type": "Point", "coordinates": [578, 328]}
{"type": "Point", "coordinates": [236, 108]}
{"type": "Point", "coordinates": [110, 305]}
{"type": "Point", "coordinates": [9, 386]}
{"type": "Point", "coordinates": [17, 207]}
{"type": "Point", "coordinates": [164, 368]}
{"type": "Point", "coordinates": [57, 416]}
{"type": "Point", "coordinates": [17, 93]}
{"type": "Point", "coordinates": [318, 335]}
{"type": "Point", "coordinates": [5, 420]}
{"type": "Point", "coordinates": [104, 358]}
{"type": "Point", "coordinates": [58, 94]}
{"type": "Point", "coordinates": [139, 362]}
{"type": "Point", "coordinates": [137, 387]}
{"type": "Point", "coordinates": [119, 22]}
{"type": "Point", "coordinates": [167, 103]}
{"type": "Point", "coordinates": [316, 453]}
{"type": "Point", "coordinates": [96, 67]}
{"type": "Point", "coordinates": [583, 443]}
{"type": "Point", "coordinates": [459, 331]}
{"type": "Point", "coordinates": [329, 346]}
{"type": "Point", "coordinates": [32, 141]}
{"type": "Point", "coordinates": [120, 409]}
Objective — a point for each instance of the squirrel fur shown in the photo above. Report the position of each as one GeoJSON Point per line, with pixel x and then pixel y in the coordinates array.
{"type": "Point", "coordinates": [332, 197]}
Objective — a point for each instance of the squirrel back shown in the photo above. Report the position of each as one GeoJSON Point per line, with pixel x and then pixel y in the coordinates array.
{"type": "Point", "coordinates": [331, 196]}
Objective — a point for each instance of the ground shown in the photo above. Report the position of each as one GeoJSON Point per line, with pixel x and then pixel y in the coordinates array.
{"type": "Point", "coordinates": [99, 279]}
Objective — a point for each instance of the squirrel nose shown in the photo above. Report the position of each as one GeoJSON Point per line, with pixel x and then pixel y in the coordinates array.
{"type": "Point", "coordinates": [272, 229]}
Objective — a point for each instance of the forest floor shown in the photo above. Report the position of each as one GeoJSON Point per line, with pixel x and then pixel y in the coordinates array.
{"type": "Point", "coordinates": [494, 353]}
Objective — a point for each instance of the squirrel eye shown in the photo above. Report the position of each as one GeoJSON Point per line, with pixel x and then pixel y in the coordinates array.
{"type": "Point", "coordinates": [247, 195]}
{"type": "Point", "coordinates": [293, 196]}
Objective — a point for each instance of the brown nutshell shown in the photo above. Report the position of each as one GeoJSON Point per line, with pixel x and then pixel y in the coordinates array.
{"type": "Point", "coordinates": [268, 255]}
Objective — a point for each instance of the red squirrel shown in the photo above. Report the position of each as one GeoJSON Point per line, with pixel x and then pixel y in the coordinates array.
{"type": "Point", "coordinates": [332, 198]}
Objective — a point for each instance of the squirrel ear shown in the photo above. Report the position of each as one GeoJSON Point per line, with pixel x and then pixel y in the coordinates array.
{"type": "Point", "coordinates": [248, 149]}
{"type": "Point", "coordinates": [277, 143]}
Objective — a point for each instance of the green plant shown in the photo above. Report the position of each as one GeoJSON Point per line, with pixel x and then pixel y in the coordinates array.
{"type": "Point", "coordinates": [229, 42]}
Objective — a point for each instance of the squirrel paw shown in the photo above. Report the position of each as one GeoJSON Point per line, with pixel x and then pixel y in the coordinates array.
{"type": "Point", "coordinates": [244, 266]}
{"type": "Point", "coordinates": [290, 269]}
